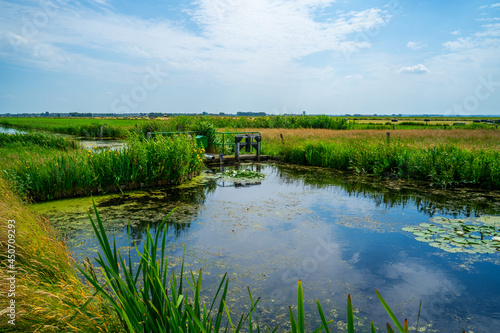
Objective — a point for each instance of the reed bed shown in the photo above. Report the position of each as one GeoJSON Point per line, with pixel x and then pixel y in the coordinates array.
{"type": "Point", "coordinates": [47, 288]}
{"type": "Point", "coordinates": [443, 158]}
{"type": "Point", "coordinates": [162, 161]}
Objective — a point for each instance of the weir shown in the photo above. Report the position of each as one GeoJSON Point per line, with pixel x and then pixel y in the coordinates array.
{"type": "Point", "coordinates": [230, 143]}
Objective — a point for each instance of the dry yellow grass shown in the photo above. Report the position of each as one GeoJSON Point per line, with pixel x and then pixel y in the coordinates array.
{"type": "Point", "coordinates": [45, 281]}
{"type": "Point", "coordinates": [467, 139]}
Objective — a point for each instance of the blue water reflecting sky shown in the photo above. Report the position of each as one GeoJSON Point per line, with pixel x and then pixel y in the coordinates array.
{"type": "Point", "coordinates": [338, 241]}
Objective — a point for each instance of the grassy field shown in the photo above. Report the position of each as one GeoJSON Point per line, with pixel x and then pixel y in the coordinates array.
{"type": "Point", "coordinates": [121, 128]}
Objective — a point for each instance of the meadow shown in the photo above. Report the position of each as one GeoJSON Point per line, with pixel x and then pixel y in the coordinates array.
{"type": "Point", "coordinates": [123, 127]}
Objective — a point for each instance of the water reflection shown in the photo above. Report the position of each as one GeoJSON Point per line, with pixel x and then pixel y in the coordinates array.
{"type": "Point", "coordinates": [389, 194]}
{"type": "Point", "coordinates": [9, 130]}
{"type": "Point", "coordinates": [340, 234]}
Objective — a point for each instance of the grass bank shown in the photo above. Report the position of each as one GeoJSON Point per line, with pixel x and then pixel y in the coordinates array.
{"type": "Point", "coordinates": [443, 158]}
{"type": "Point", "coordinates": [162, 161]}
{"type": "Point", "coordinates": [45, 282]}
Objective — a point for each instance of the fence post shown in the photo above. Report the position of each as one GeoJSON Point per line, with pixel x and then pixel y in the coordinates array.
{"type": "Point", "coordinates": [388, 138]}
{"type": "Point", "coordinates": [148, 136]}
{"type": "Point", "coordinates": [101, 131]}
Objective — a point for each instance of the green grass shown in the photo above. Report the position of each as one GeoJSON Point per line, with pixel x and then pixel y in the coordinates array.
{"type": "Point", "coordinates": [87, 127]}
{"type": "Point", "coordinates": [20, 141]}
{"type": "Point", "coordinates": [162, 161]}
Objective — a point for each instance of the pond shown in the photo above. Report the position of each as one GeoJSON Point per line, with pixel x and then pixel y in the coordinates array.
{"type": "Point", "coordinates": [87, 143]}
{"type": "Point", "coordinates": [339, 233]}
{"type": "Point", "coordinates": [9, 130]}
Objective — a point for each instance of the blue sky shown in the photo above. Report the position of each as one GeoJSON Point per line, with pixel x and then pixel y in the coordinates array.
{"type": "Point", "coordinates": [275, 56]}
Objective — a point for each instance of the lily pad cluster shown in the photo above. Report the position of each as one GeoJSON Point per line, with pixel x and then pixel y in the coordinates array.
{"type": "Point", "coordinates": [480, 235]}
{"type": "Point", "coordinates": [242, 174]}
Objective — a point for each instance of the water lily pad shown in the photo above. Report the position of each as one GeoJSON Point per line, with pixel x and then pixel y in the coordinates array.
{"type": "Point", "coordinates": [459, 240]}
{"type": "Point", "coordinates": [423, 239]}
{"type": "Point", "coordinates": [411, 229]}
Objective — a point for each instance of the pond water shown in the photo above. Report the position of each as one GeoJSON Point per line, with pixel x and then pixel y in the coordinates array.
{"type": "Point", "coordinates": [87, 143]}
{"type": "Point", "coordinates": [338, 233]}
{"type": "Point", "coordinates": [9, 130]}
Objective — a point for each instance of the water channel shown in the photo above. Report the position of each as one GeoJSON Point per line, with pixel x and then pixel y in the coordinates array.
{"type": "Point", "coordinates": [338, 233]}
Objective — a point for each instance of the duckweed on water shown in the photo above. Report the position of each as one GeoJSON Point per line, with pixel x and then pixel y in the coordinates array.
{"type": "Point", "coordinates": [479, 235]}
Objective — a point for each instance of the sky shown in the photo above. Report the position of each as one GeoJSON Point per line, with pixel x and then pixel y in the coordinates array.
{"type": "Point", "coordinates": [273, 56]}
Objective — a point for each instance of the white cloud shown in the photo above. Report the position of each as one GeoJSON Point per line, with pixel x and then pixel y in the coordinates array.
{"type": "Point", "coordinates": [238, 39]}
{"type": "Point", "coordinates": [495, 5]}
{"type": "Point", "coordinates": [415, 45]}
{"type": "Point", "coordinates": [8, 96]}
{"type": "Point", "coordinates": [456, 32]}
{"type": "Point", "coordinates": [417, 69]}
{"type": "Point", "coordinates": [353, 77]}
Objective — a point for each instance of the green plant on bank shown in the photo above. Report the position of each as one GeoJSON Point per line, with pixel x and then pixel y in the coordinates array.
{"type": "Point", "coordinates": [207, 129]}
{"type": "Point", "coordinates": [169, 160]}
{"type": "Point", "coordinates": [441, 165]}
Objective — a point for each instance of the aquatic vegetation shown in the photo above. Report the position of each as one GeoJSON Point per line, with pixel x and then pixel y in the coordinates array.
{"type": "Point", "coordinates": [162, 161]}
{"type": "Point", "coordinates": [481, 235]}
{"type": "Point", "coordinates": [240, 174]}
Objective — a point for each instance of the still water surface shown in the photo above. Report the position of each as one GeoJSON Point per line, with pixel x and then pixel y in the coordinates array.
{"type": "Point", "coordinates": [339, 234]}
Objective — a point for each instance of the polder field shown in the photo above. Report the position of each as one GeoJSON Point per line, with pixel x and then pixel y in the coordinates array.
{"type": "Point", "coordinates": [423, 194]}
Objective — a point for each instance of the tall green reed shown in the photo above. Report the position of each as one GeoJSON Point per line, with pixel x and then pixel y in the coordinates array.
{"type": "Point", "coordinates": [441, 165]}
{"type": "Point", "coordinates": [168, 160]}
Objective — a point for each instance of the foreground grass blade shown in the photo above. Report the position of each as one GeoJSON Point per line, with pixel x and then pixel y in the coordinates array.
{"type": "Point", "coordinates": [323, 319]}
{"type": "Point", "coordinates": [350, 316]}
{"type": "Point", "coordinates": [389, 311]}
{"type": "Point", "coordinates": [418, 317]}
{"type": "Point", "coordinates": [300, 308]}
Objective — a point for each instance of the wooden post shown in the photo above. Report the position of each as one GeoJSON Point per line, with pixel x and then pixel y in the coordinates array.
{"type": "Point", "coordinates": [101, 131]}
{"type": "Point", "coordinates": [258, 151]}
{"type": "Point", "coordinates": [282, 140]}
{"type": "Point", "coordinates": [237, 151]}
{"type": "Point", "coordinates": [148, 136]}
{"type": "Point", "coordinates": [388, 138]}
